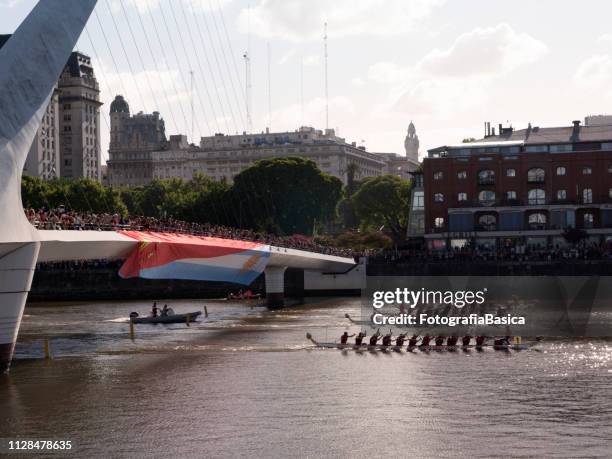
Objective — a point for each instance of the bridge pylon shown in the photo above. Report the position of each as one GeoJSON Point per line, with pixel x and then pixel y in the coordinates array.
{"type": "Point", "coordinates": [31, 62]}
{"type": "Point", "coordinates": [275, 286]}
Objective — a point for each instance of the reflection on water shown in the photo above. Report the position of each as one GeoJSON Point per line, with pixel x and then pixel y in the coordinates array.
{"type": "Point", "coordinates": [245, 382]}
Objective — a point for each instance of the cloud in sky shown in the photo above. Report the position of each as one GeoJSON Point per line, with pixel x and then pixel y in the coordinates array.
{"type": "Point", "coordinates": [484, 53]}
{"type": "Point", "coordinates": [595, 74]}
{"type": "Point", "coordinates": [447, 82]}
{"type": "Point", "coordinates": [299, 20]}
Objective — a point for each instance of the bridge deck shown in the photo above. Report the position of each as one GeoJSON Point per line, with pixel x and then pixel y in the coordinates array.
{"type": "Point", "coordinates": [92, 245]}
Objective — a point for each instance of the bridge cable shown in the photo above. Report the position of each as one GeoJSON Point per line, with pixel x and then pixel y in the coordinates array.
{"type": "Point", "coordinates": [236, 73]}
{"type": "Point", "coordinates": [221, 83]}
{"type": "Point", "coordinates": [142, 100]}
{"type": "Point", "coordinates": [111, 53]}
{"type": "Point", "coordinates": [199, 62]}
{"type": "Point", "coordinates": [108, 88]}
{"type": "Point", "coordinates": [186, 86]}
{"type": "Point", "coordinates": [223, 80]}
{"type": "Point", "coordinates": [144, 70]}
{"type": "Point", "coordinates": [165, 58]}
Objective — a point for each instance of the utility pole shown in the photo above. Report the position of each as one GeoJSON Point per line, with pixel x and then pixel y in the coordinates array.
{"type": "Point", "coordinates": [326, 80]}
{"type": "Point", "coordinates": [269, 91]}
{"type": "Point", "coordinates": [192, 109]}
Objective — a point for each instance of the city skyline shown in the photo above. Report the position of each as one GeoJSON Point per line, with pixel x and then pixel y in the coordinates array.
{"type": "Point", "coordinates": [390, 63]}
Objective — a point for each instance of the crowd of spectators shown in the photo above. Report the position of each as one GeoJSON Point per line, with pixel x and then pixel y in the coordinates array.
{"type": "Point", "coordinates": [522, 254]}
{"type": "Point", "coordinates": [63, 219]}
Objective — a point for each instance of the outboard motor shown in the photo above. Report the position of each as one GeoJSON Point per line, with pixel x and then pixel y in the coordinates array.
{"type": "Point", "coordinates": [133, 315]}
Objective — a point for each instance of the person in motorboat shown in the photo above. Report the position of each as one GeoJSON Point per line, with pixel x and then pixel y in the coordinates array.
{"type": "Point", "coordinates": [412, 342]}
{"type": "Point", "coordinates": [480, 340]}
{"type": "Point", "coordinates": [164, 312]}
{"type": "Point", "coordinates": [359, 338]}
{"type": "Point", "coordinates": [386, 341]}
{"type": "Point", "coordinates": [465, 341]}
{"type": "Point", "coordinates": [374, 338]}
{"type": "Point", "coordinates": [399, 341]}
{"type": "Point", "coordinates": [154, 309]}
{"type": "Point", "coordinates": [345, 336]}
{"type": "Point", "coordinates": [439, 340]}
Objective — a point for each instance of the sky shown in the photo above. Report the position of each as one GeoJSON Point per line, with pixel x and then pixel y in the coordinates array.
{"type": "Point", "coordinates": [446, 65]}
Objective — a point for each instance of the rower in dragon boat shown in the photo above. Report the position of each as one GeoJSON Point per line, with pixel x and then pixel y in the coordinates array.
{"type": "Point", "coordinates": [374, 338]}
{"type": "Point", "coordinates": [359, 338]}
{"type": "Point", "coordinates": [344, 338]}
{"type": "Point", "coordinates": [425, 341]}
{"type": "Point", "coordinates": [386, 340]}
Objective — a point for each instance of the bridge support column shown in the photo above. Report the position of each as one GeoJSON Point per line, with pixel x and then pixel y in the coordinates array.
{"type": "Point", "coordinates": [275, 286]}
{"type": "Point", "coordinates": [16, 272]}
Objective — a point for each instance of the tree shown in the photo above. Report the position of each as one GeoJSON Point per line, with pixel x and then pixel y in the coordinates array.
{"type": "Point", "coordinates": [285, 196]}
{"type": "Point", "coordinates": [384, 201]}
{"type": "Point", "coordinates": [346, 206]}
{"type": "Point", "coordinates": [468, 140]}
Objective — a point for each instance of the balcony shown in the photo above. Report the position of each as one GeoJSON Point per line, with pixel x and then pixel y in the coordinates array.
{"type": "Point", "coordinates": [486, 180]}
{"type": "Point", "coordinates": [535, 180]}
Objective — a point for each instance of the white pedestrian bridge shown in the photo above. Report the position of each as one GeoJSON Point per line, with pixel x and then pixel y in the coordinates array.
{"type": "Point", "coordinates": [30, 64]}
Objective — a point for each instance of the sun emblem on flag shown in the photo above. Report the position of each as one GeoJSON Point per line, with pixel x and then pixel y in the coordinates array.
{"type": "Point", "coordinates": [250, 263]}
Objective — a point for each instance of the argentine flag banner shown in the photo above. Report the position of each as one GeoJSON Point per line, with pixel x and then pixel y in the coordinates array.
{"type": "Point", "coordinates": [183, 256]}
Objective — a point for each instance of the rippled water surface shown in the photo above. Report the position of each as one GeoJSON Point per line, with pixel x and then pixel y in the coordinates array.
{"type": "Point", "coordinates": [245, 382]}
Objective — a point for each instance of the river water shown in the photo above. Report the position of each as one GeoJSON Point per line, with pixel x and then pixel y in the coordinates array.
{"type": "Point", "coordinates": [246, 382]}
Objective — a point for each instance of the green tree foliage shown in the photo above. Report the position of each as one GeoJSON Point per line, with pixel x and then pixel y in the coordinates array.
{"type": "Point", "coordinates": [281, 195]}
{"type": "Point", "coordinates": [384, 201]}
{"type": "Point", "coordinates": [83, 195]}
{"type": "Point", "coordinates": [285, 195]}
{"type": "Point", "coordinates": [346, 206]}
{"type": "Point", "coordinates": [468, 140]}
{"type": "Point", "coordinates": [358, 240]}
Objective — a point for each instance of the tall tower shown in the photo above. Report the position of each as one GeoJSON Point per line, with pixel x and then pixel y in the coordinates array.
{"type": "Point", "coordinates": [79, 123]}
{"type": "Point", "coordinates": [411, 144]}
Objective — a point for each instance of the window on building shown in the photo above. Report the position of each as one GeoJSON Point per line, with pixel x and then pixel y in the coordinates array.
{"type": "Point", "coordinates": [461, 175]}
{"type": "Point", "coordinates": [610, 169]}
{"type": "Point", "coordinates": [536, 197]}
{"type": "Point", "coordinates": [486, 177]}
{"type": "Point", "coordinates": [486, 197]}
{"type": "Point", "coordinates": [561, 170]}
{"type": "Point", "coordinates": [587, 196]}
{"type": "Point", "coordinates": [537, 221]}
{"type": "Point", "coordinates": [438, 197]}
{"type": "Point", "coordinates": [511, 195]}
{"type": "Point", "coordinates": [564, 148]}
{"type": "Point", "coordinates": [461, 197]}
{"type": "Point", "coordinates": [535, 175]}
{"type": "Point", "coordinates": [587, 170]}
{"type": "Point", "coordinates": [438, 175]}
{"type": "Point", "coordinates": [536, 148]}
{"type": "Point", "coordinates": [439, 222]}
{"type": "Point", "coordinates": [561, 195]}
{"type": "Point", "coordinates": [418, 200]}
{"type": "Point", "coordinates": [588, 220]}
{"type": "Point", "coordinates": [510, 172]}
{"type": "Point", "coordinates": [610, 193]}
{"type": "Point", "coordinates": [487, 222]}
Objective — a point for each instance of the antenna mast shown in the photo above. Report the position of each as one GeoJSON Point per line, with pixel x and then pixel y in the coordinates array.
{"type": "Point", "coordinates": [247, 70]}
{"type": "Point", "coordinates": [192, 110]}
{"type": "Point", "coordinates": [301, 91]}
{"type": "Point", "coordinates": [269, 91]}
{"type": "Point", "coordinates": [326, 80]}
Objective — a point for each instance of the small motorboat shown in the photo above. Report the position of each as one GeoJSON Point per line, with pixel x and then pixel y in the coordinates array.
{"type": "Point", "coordinates": [170, 318]}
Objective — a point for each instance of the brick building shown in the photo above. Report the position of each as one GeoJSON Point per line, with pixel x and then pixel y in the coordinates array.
{"type": "Point", "coordinates": [520, 188]}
